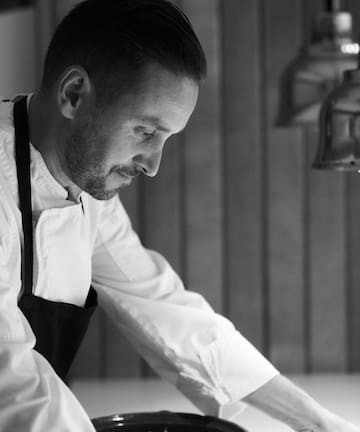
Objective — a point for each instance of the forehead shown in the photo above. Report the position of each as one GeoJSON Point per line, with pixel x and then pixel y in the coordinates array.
{"type": "Point", "coordinates": [158, 93]}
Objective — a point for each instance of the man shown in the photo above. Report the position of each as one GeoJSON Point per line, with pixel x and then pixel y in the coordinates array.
{"type": "Point", "coordinates": [120, 77]}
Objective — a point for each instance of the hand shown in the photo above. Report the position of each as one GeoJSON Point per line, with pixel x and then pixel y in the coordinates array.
{"type": "Point", "coordinates": [284, 401]}
{"type": "Point", "coordinates": [337, 424]}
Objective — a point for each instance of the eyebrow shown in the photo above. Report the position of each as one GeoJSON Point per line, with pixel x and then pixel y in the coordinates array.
{"type": "Point", "coordinates": [155, 122]}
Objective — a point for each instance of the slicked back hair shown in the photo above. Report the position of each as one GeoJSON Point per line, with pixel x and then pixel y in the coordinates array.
{"type": "Point", "coordinates": [114, 40]}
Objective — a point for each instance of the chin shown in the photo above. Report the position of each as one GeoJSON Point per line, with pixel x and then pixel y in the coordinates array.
{"type": "Point", "coordinates": [104, 195]}
{"type": "Point", "coordinates": [101, 191]}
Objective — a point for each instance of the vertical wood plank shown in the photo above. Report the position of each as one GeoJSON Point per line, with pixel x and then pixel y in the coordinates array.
{"type": "Point", "coordinates": [163, 210]}
{"type": "Point", "coordinates": [118, 358]}
{"type": "Point", "coordinates": [87, 363]}
{"type": "Point", "coordinates": [327, 266]}
{"type": "Point", "coordinates": [327, 255]}
{"type": "Point", "coordinates": [45, 18]}
{"type": "Point", "coordinates": [243, 176]}
{"type": "Point", "coordinates": [202, 166]}
{"type": "Point", "coordinates": [18, 72]}
{"type": "Point", "coordinates": [353, 241]}
{"type": "Point", "coordinates": [162, 206]}
{"type": "Point", "coordinates": [353, 268]}
{"type": "Point", "coordinates": [285, 196]}
{"type": "Point", "coordinates": [311, 9]}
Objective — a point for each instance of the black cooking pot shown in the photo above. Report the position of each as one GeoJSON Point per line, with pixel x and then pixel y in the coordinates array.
{"type": "Point", "coordinates": [163, 421]}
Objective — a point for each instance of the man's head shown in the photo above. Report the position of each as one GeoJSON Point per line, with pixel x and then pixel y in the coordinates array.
{"type": "Point", "coordinates": [124, 75]}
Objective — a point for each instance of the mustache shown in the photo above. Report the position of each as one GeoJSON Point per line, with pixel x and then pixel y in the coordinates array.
{"type": "Point", "coordinates": [126, 171]}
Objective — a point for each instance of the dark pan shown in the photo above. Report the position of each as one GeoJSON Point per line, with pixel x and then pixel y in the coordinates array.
{"type": "Point", "coordinates": [163, 421]}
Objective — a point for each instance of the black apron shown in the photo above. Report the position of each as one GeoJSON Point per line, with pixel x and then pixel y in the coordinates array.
{"type": "Point", "coordinates": [58, 327]}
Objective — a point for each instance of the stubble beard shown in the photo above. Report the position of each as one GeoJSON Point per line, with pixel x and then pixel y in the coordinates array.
{"type": "Point", "coordinates": [84, 163]}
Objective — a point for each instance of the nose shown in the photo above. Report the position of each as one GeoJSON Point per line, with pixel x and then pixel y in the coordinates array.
{"type": "Point", "coordinates": [150, 164]}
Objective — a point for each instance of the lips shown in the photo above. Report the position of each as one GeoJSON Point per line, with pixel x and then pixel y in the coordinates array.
{"type": "Point", "coordinates": [129, 177]}
{"type": "Point", "coordinates": [127, 173]}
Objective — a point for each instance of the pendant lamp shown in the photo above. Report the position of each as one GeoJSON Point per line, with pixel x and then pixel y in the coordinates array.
{"type": "Point", "coordinates": [339, 146]}
{"type": "Point", "coordinates": [318, 68]}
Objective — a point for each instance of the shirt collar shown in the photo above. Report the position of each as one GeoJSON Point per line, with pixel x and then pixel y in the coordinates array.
{"type": "Point", "coordinates": [41, 168]}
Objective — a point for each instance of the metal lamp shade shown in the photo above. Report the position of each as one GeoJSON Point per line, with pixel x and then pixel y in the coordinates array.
{"type": "Point", "coordinates": [339, 146]}
{"type": "Point", "coordinates": [318, 68]}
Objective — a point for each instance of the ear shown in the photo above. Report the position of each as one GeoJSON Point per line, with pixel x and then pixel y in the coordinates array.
{"type": "Point", "coordinates": [74, 90]}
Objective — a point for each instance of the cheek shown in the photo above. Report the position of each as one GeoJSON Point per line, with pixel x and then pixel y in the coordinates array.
{"type": "Point", "coordinates": [121, 150]}
{"type": "Point", "coordinates": [119, 144]}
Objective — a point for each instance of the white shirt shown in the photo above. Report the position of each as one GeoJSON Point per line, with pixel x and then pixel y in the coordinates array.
{"type": "Point", "coordinates": [92, 242]}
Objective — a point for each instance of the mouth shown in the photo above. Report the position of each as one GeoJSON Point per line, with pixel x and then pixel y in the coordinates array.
{"type": "Point", "coordinates": [127, 177]}
{"type": "Point", "coordinates": [127, 174]}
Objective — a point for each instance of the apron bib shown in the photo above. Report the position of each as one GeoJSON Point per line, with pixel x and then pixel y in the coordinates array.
{"type": "Point", "coordinates": [59, 327]}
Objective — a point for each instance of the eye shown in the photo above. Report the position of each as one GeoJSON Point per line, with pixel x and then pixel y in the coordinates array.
{"type": "Point", "coordinates": [148, 134]}
{"type": "Point", "coordinates": [145, 132]}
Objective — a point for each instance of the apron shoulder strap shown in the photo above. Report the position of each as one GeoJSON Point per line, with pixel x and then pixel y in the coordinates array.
{"type": "Point", "coordinates": [22, 155]}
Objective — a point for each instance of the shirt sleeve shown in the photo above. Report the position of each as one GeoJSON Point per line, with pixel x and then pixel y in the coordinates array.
{"type": "Point", "coordinates": [32, 397]}
{"type": "Point", "coordinates": [174, 329]}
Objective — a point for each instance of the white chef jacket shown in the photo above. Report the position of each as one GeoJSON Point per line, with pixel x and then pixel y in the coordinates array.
{"type": "Point", "coordinates": [92, 242]}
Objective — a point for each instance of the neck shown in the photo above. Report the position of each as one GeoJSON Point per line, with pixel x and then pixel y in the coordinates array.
{"type": "Point", "coordinates": [46, 138]}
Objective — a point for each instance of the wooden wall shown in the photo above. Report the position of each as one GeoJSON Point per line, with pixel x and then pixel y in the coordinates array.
{"type": "Point", "coordinates": [238, 211]}
{"type": "Point", "coordinates": [17, 72]}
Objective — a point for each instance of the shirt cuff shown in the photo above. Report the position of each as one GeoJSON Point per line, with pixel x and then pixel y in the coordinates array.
{"type": "Point", "coordinates": [235, 369]}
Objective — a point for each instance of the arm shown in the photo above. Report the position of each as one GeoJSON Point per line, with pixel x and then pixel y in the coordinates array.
{"type": "Point", "coordinates": [284, 401]}
{"type": "Point", "coordinates": [174, 329]}
{"type": "Point", "coordinates": [32, 397]}
{"type": "Point", "coordinates": [184, 340]}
